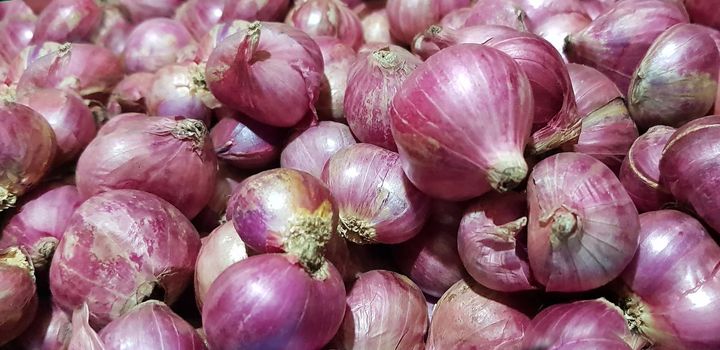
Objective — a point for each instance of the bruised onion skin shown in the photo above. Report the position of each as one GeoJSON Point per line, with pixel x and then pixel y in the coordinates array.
{"type": "Point", "coordinates": [18, 299]}
{"type": "Point", "coordinates": [556, 28]}
{"type": "Point", "coordinates": [140, 10]}
{"type": "Point", "coordinates": [677, 80]}
{"type": "Point", "coordinates": [160, 155]}
{"type": "Point", "coordinates": [671, 286]}
{"type": "Point", "coordinates": [469, 316]}
{"type": "Point", "coordinates": [337, 58]}
{"type": "Point", "coordinates": [311, 148]}
{"type": "Point", "coordinates": [374, 21]}
{"type": "Point", "coordinates": [129, 94]}
{"type": "Point", "coordinates": [385, 310]}
{"type": "Point", "coordinates": [151, 325]}
{"type": "Point", "coordinates": [268, 301]}
{"type": "Point", "coordinates": [616, 41]}
{"type": "Point", "coordinates": [68, 21]}
{"type": "Point", "coordinates": [252, 70]}
{"type": "Point", "coordinates": [410, 17]}
{"type": "Point", "coordinates": [377, 203]}
{"type": "Point", "coordinates": [199, 16]}
{"type": "Point", "coordinates": [373, 80]}
{"type": "Point", "coordinates": [83, 335]}
{"type": "Point", "coordinates": [640, 172]}
{"type": "Point", "coordinates": [255, 10]}
{"type": "Point", "coordinates": [583, 226]}
{"type": "Point", "coordinates": [180, 90]}
{"type": "Point", "coordinates": [154, 44]}
{"type": "Point", "coordinates": [455, 151]}
{"type": "Point", "coordinates": [121, 248]}
{"type": "Point", "coordinates": [327, 18]}
{"type": "Point", "coordinates": [244, 143]}
{"type": "Point", "coordinates": [51, 329]}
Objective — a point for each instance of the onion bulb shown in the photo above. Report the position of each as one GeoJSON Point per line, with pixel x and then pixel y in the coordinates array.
{"type": "Point", "coordinates": [180, 90]}
{"type": "Point", "coordinates": [374, 21]}
{"type": "Point", "coordinates": [17, 33]}
{"type": "Point", "coordinates": [244, 143]}
{"type": "Point", "coordinates": [338, 58]}
{"type": "Point", "coordinates": [703, 12]}
{"type": "Point", "coordinates": [255, 10]}
{"type": "Point", "coordinates": [18, 300]}
{"type": "Point", "coordinates": [506, 13]}
{"type": "Point", "coordinates": [129, 94]}
{"type": "Point", "coordinates": [327, 18]}
{"type": "Point", "coordinates": [154, 44]}
{"type": "Point", "coordinates": [308, 150]}
{"type": "Point", "coordinates": [83, 335]}
{"type": "Point", "coordinates": [140, 10]}
{"type": "Point", "coordinates": [556, 28]}
{"type": "Point", "coordinates": [214, 212]}
{"type": "Point", "coordinates": [410, 17]}
{"type": "Point", "coordinates": [199, 16]}
{"type": "Point", "coordinates": [26, 57]}
{"type": "Point", "coordinates": [51, 329]}
{"type": "Point", "coordinates": [68, 21]}
{"type": "Point", "coordinates": [113, 30]}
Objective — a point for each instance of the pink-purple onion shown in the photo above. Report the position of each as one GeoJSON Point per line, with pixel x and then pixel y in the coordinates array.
{"type": "Point", "coordinates": [337, 58]}
{"type": "Point", "coordinates": [199, 16]}
{"type": "Point", "coordinates": [506, 13]}
{"type": "Point", "coordinates": [556, 28]}
{"type": "Point", "coordinates": [410, 17]}
{"type": "Point", "coordinates": [18, 298]}
{"type": "Point", "coordinates": [455, 19]}
{"type": "Point", "coordinates": [538, 11]}
{"type": "Point", "coordinates": [68, 21]}
{"type": "Point", "coordinates": [374, 21]}
{"type": "Point", "coordinates": [255, 10]}
{"type": "Point", "coordinates": [113, 30]}
{"type": "Point", "coordinates": [180, 90]}
{"type": "Point", "coordinates": [129, 95]}
{"type": "Point", "coordinates": [154, 44]}
{"type": "Point", "coordinates": [83, 336]}
{"type": "Point", "coordinates": [245, 143]}
{"type": "Point", "coordinates": [26, 57]}
{"type": "Point", "coordinates": [51, 329]}
{"type": "Point", "coordinates": [17, 33]}
{"type": "Point", "coordinates": [208, 42]}
{"type": "Point", "coordinates": [703, 12]}
{"type": "Point", "coordinates": [140, 10]}
{"type": "Point", "coordinates": [214, 212]}
{"type": "Point", "coordinates": [327, 18]}
{"type": "Point", "coordinates": [308, 150]}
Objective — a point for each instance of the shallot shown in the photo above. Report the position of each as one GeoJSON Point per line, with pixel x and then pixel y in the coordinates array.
{"type": "Point", "coordinates": [51, 329]}
{"type": "Point", "coordinates": [410, 17]}
{"type": "Point", "coordinates": [255, 10]}
{"type": "Point", "coordinates": [140, 10]}
{"type": "Point", "coordinates": [327, 18]}
{"type": "Point", "coordinates": [129, 95]}
{"type": "Point", "coordinates": [155, 43]}
{"type": "Point", "coordinates": [374, 21]}
{"type": "Point", "coordinates": [18, 298]}
{"type": "Point", "coordinates": [180, 90]}
{"type": "Point", "coordinates": [245, 143]}
{"type": "Point", "coordinates": [68, 21]}
{"type": "Point", "coordinates": [338, 58]}
{"type": "Point", "coordinates": [308, 150]}
{"type": "Point", "coordinates": [199, 16]}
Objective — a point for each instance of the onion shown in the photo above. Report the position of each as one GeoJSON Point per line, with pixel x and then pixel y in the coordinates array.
{"type": "Point", "coordinates": [311, 148]}
{"type": "Point", "coordinates": [214, 212]}
{"type": "Point", "coordinates": [374, 21]}
{"type": "Point", "coordinates": [582, 238]}
{"type": "Point", "coordinates": [26, 57]}
{"type": "Point", "coordinates": [255, 68]}
{"type": "Point", "coordinates": [19, 8]}
{"type": "Point", "coordinates": [70, 118]}
{"type": "Point", "coordinates": [595, 8]}
{"type": "Point", "coordinates": [556, 28]}
{"type": "Point", "coordinates": [268, 301]}
{"type": "Point", "coordinates": [27, 147]}
{"type": "Point", "coordinates": [658, 97]}
{"type": "Point", "coordinates": [671, 287]}
{"type": "Point", "coordinates": [410, 17]}
{"type": "Point", "coordinates": [337, 58]}
{"type": "Point", "coordinates": [154, 44]}
{"type": "Point", "coordinates": [385, 310]}
{"type": "Point", "coordinates": [255, 10]}
{"type": "Point", "coordinates": [640, 172]}
{"type": "Point", "coordinates": [616, 41]}
{"type": "Point", "coordinates": [51, 329]}
{"type": "Point", "coordinates": [377, 203]}
{"type": "Point", "coordinates": [129, 94]}
{"type": "Point", "coordinates": [453, 150]}
{"type": "Point", "coordinates": [244, 143]}
{"type": "Point", "coordinates": [456, 19]}
{"type": "Point", "coordinates": [180, 90]}
{"type": "Point", "coordinates": [703, 12]}
{"type": "Point", "coordinates": [122, 247]}
{"type": "Point", "coordinates": [141, 10]}
{"type": "Point", "coordinates": [161, 155]}
{"type": "Point", "coordinates": [373, 80]}
{"type": "Point", "coordinates": [215, 35]}
{"type": "Point", "coordinates": [689, 167]}
{"type": "Point", "coordinates": [17, 34]}
{"type": "Point", "coordinates": [327, 18]}
{"type": "Point", "coordinates": [83, 336]}
{"type": "Point", "coordinates": [470, 316]}
{"type": "Point", "coordinates": [199, 16]}
{"type": "Point", "coordinates": [40, 222]}
{"type": "Point", "coordinates": [18, 300]}
{"type": "Point", "coordinates": [67, 20]}
{"type": "Point", "coordinates": [113, 30]}
{"type": "Point", "coordinates": [151, 325]}
{"type": "Point", "coordinates": [538, 11]}
{"type": "Point", "coordinates": [505, 13]}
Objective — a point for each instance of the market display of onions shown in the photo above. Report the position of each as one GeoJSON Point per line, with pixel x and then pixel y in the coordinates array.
{"type": "Point", "coordinates": [359, 174]}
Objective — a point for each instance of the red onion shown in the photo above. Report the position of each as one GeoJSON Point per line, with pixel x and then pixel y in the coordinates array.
{"type": "Point", "coordinates": [214, 212]}
{"type": "Point", "coordinates": [255, 68]}
{"type": "Point", "coordinates": [310, 149]}
{"type": "Point", "coordinates": [18, 300]}
{"type": "Point", "coordinates": [199, 16]}
{"type": "Point", "coordinates": [40, 222]}
{"type": "Point", "coordinates": [122, 247]}
{"type": "Point", "coordinates": [410, 17]}
{"type": "Point", "coordinates": [640, 172]}
{"type": "Point", "coordinates": [374, 21]}
{"type": "Point", "coordinates": [452, 150]}
{"type": "Point", "coordinates": [556, 28]}
{"type": "Point", "coordinates": [616, 41]}
{"type": "Point", "coordinates": [17, 33]}
{"type": "Point", "coordinates": [327, 18]}
{"type": "Point", "coordinates": [180, 90]}
{"type": "Point", "coordinates": [377, 203]}
{"type": "Point", "coordinates": [27, 147]}
{"type": "Point", "coordinates": [337, 58]}
{"type": "Point", "coordinates": [51, 329]}
{"type": "Point", "coordinates": [505, 13]}
{"type": "Point", "coordinates": [83, 336]}
{"type": "Point", "coordinates": [246, 144]}
{"type": "Point", "coordinates": [373, 80]}
{"type": "Point", "coordinates": [469, 316]}
{"type": "Point", "coordinates": [70, 118]}
{"type": "Point", "coordinates": [538, 11]}
{"type": "Point", "coordinates": [385, 310]}
{"type": "Point", "coordinates": [659, 98]}
{"type": "Point", "coordinates": [215, 35]}
{"type": "Point", "coordinates": [154, 44]}
{"type": "Point", "coordinates": [671, 286]}
{"type": "Point", "coordinates": [19, 8]}
{"type": "Point", "coordinates": [595, 8]}
{"type": "Point", "coordinates": [255, 10]}
{"type": "Point", "coordinates": [26, 57]}
{"type": "Point", "coordinates": [456, 19]}
{"type": "Point", "coordinates": [141, 10]}
{"type": "Point", "coordinates": [278, 304]}
{"type": "Point", "coordinates": [151, 325]}
{"type": "Point", "coordinates": [689, 167]}
{"type": "Point", "coordinates": [67, 20]}
{"type": "Point", "coordinates": [582, 238]}
{"type": "Point", "coordinates": [129, 94]}
{"type": "Point", "coordinates": [161, 155]}
{"type": "Point", "coordinates": [113, 30]}
{"type": "Point", "coordinates": [703, 12]}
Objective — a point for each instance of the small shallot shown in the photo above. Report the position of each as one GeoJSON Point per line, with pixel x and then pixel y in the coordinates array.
{"type": "Point", "coordinates": [245, 143]}
{"type": "Point", "coordinates": [199, 16]}
{"type": "Point", "coordinates": [338, 58]}
{"type": "Point", "coordinates": [18, 300]}
{"type": "Point", "coordinates": [51, 329]}
{"type": "Point", "coordinates": [154, 44]}
{"type": "Point", "coordinates": [410, 17]}
{"type": "Point", "coordinates": [68, 21]}
{"type": "Point", "coordinates": [113, 30]}
{"type": "Point", "coordinates": [310, 149]}
{"type": "Point", "coordinates": [327, 18]}
{"type": "Point", "coordinates": [374, 21]}
{"type": "Point", "coordinates": [140, 10]}
{"type": "Point", "coordinates": [255, 10]}
{"type": "Point", "coordinates": [556, 28]}
{"type": "Point", "coordinates": [129, 94]}
{"type": "Point", "coordinates": [83, 336]}
{"type": "Point", "coordinates": [180, 90]}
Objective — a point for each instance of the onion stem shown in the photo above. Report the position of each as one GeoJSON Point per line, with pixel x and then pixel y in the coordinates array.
{"type": "Point", "coordinates": [7, 199]}
{"type": "Point", "coordinates": [356, 230]}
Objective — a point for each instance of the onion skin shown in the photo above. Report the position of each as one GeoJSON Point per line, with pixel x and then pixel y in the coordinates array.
{"type": "Point", "coordinates": [27, 148]}
{"type": "Point", "coordinates": [410, 17]}
{"type": "Point", "coordinates": [373, 80]}
{"type": "Point", "coordinates": [18, 299]}
{"type": "Point", "coordinates": [141, 10]}
{"type": "Point", "coordinates": [199, 16]}
{"type": "Point", "coordinates": [19, 8]}
{"type": "Point", "coordinates": [51, 330]}
{"type": "Point", "coordinates": [385, 310]}
{"type": "Point", "coordinates": [337, 58]}
{"type": "Point", "coordinates": [26, 57]}
{"type": "Point", "coordinates": [703, 12]}
{"type": "Point", "coordinates": [556, 28]}
{"type": "Point", "coordinates": [539, 11]}
{"type": "Point", "coordinates": [505, 13]}
{"type": "Point", "coordinates": [160, 155]}
{"type": "Point", "coordinates": [428, 124]}
{"type": "Point", "coordinates": [215, 35]}
{"type": "Point", "coordinates": [244, 143]}
{"type": "Point", "coordinates": [456, 19]}
{"type": "Point", "coordinates": [67, 21]}
{"type": "Point", "coordinates": [470, 316]}
{"type": "Point", "coordinates": [374, 21]}
{"type": "Point", "coordinates": [255, 10]}
{"type": "Point", "coordinates": [113, 30]}
{"type": "Point", "coordinates": [17, 34]}
{"type": "Point", "coordinates": [150, 325]}
{"type": "Point", "coordinates": [242, 78]}
{"type": "Point", "coordinates": [640, 172]}
{"type": "Point", "coordinates": [581, 239]}
{"type": "Point", "coordinates": [83, 335]}
{"type": "Point", "coordinates": [297, 311]}
{"type": "Point", "coordinates": [674, 88]}
{"type": "Point", "coordinates": [121, 227]}
{"type": "Point", "coordinates": [179, 90]}
{"type": "Point", "coordinates": [311, 148]}
{"type": "Point", "coordinates": [129, 94]}
{"type": "Point", "coordinates": [616, 41]}
{"type": "Point", "coordinates": [377, 203]}
{"type": "Point", "coordinates": [327, 18]}
{"type": "Point", "coordinates": [154, 44]}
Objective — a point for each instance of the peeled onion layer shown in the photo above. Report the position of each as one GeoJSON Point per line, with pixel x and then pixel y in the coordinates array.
{"type": "Point", "coordinates": [308, 150]}
{"type": "Point", "coordinates": [25, 57]}
{"type": "Point", "coordinates": [18, 298]}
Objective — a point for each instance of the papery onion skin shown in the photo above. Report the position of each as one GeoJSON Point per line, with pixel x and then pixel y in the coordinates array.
{"type": "Point", "coordinates": [505, 13]}
{"type": "Point", "coordinates": [327, 18]}
{"type": "Point", "coordinates": [436, 38]}
{"type": "Point", "coordinates": [429, 125]}
{"type": "Point", "coordinates": [616, 41]}
{"type": "Point", "coordinates": [556, 28]}
{"type": "Point", "coordinates": [337, 58]}
{"type": "Point", "coordinates": [83, 335]}
{"type": "Point", "coordinates": [374, 21]}
{"type": "Point", "coordinates": [18, 298]}
{"type": "Point", "coordinates": [199, 16]}
{"type": "Point", "coordinates": [129, 94]}
{"type": "Point", "coordinates": [113, 30]}
{"type": "Point", "coordinates": [297, 311]}
{"type": "Point", "coordinates": [150, 325]}
{"type": "Point", "coordinates": [121, 248]}
{"type": "Point", "coordinates": [385, 310]}
{"type": "Point", "coordinates": [677, 80]}
{"type": "Point", "coordinates": [470, 316]}
{"type": "Point", "coordinates": [51, 329]}
{"type": "Point", "coordinates": [595, 8]}
{"type": "Point", "coordinates": [703, 12]}
{"type": "Point", "coordinates": [640, 171]}
{"type": "Point", "coordinates": [539, 11]}
{"type": "Point", "coordinates": [27, 148]}
{"type": "Point", "coordinates": [68, 21]}
{"type": "Point", "coordinates": [161, 155]}
{"type": "Point", "coordinates": [255, 10]}
{"type": "Point", "coordinates": [17, 34]}
{"type": "Point", "coordinates": [410, 17]}
{"type": "Point", "coordinates": [154, 43]}
{"type": "Point", "coordinates": [241, 76]}
{"type": "Point", "coordinates": [40, 221]}
{"type": "Point", "coordinates": [27, 56]}
{"type": "Point", "coordinates": [310, 149]}
{"type": "Point", "coordinates": [180, 90]}
{"type": "Point", "coordinates": [583, 226]}
{"type": "Point", "coordinates": [140, 10]}
{"type": "Point", "coordinates": [214, 36]}
{"type": "Point", "coordinates": [377, 203]}
{"type": "Point", "coordinates": [244, 143]}
{"type": "Point", "coordinates": [373, 80]}
{"type": "Point", "coordinates": [456, 19]}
